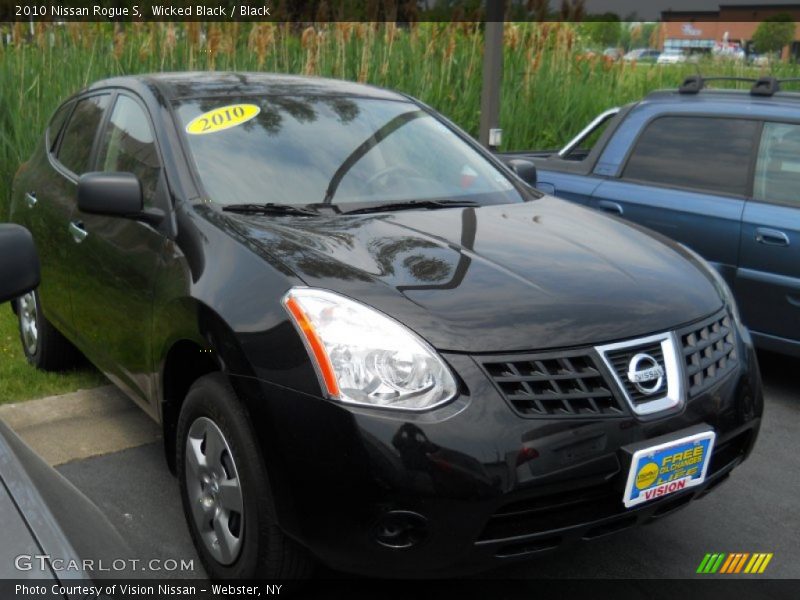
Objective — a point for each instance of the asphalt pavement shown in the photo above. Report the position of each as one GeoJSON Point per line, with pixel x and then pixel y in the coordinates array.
{"type": "Point", "coordinates": [755, 510]}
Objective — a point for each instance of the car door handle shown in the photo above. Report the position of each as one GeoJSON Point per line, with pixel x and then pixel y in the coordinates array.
{"type": "Point", "coordinates": [30, 199]}
{"type": "Point", "coordinates": [77, 231]}
{"type": "Point", "coordinates": [608, 206]}
{"type": "Point", "coordinates": [771, 237]}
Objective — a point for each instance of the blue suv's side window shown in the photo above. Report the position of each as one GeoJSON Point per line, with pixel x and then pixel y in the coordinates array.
{"type": "Point", "coordinates": [695, 153]}
{"type": "Point", "coordinates": [777, 177]}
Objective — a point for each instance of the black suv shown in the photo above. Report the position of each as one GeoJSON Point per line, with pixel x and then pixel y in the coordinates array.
{"type": "Point", "coordinates": [368, 341]}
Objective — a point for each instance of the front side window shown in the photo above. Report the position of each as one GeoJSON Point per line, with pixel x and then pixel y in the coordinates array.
{"type": "Point", "coordinates": [344, 150]}
{"type": "Point", "coordinates": [698, 153]}
{"type": "Point", "coordinates": [76, 143]}
{"type": "Point", "coordinates": [777, 176]}
{"type": "Point", "coordinates": [56, 123]}
{"type": "Point", "coordinates": [128, 145]}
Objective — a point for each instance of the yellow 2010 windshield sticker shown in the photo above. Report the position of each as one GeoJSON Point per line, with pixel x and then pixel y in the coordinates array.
{"type": "Point", "coordinates": [222, 118]}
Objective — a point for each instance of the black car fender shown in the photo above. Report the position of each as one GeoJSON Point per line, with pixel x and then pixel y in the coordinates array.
{"type": "Point", "coordinates": [220, 310]}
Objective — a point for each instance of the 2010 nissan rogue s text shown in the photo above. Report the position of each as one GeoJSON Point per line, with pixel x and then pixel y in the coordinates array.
{"type": "Point", "coordinates": [369, 342]}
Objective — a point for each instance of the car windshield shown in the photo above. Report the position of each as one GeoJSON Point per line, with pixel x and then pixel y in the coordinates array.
{"type": "Point", "coordinates": [305, 150]}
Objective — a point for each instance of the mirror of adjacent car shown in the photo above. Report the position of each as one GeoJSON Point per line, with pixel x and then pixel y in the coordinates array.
{"type": "Point", "coordinates": [115, 195]}
{"type": "Point", "coordinates": [525, 169]}
{"type": "Point", "coordinates": [19, 262]}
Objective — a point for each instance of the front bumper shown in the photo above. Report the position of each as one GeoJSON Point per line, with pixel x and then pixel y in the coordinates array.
{"type": "Point", "coordinates": [473, 485]}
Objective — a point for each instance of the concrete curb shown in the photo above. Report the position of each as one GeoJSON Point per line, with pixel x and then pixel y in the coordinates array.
{"type": "Point", "coordinates": [79, 425]}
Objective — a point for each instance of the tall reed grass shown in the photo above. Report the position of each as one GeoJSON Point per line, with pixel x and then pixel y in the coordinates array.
{"type": "Point", "coordinates": [550, 88]}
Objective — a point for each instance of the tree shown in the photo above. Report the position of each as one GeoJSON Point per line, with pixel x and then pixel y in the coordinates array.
{"type": "Point", "coordinates": [773, 33]}
{"type": "Point", "coordinates": [603, 30]}
{"type": "Point", "coordinates": [635, 34]}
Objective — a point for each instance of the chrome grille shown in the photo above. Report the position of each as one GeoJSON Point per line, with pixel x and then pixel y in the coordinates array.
{"type": "Point", "coordinates": [553, 385]}
{"type": "Point", "coordinates": [709, 351]}
{"type": "Point", "coordinates": [663, 349]}
{"type": "Point", "coordinates": [620, 360]}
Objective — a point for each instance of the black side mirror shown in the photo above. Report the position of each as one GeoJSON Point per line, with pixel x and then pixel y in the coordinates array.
{"type": "Point", "coordinates": [525, 169]}
{"type": "Point", "coordinates": [19, 262]}
{"type": "Point", "coordinates": [115, 195]}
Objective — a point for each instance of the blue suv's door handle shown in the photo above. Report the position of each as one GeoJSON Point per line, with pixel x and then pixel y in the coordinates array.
{"type": "Point", "coordinates": [771, 237]}
{"type": "Point", "coordinates": [609, 206]}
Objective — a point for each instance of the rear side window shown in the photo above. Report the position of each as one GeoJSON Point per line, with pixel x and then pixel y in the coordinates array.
{"type": "Point", "coordinates": [778, 167]}
{"type": "Point", "coordinates": [697, 153]}
{"type": "Point", "coordinates": [56, 123]}
{"type": "Point", "coordinates": [76, 143]}
{"type": "Point", "coordinates": [129, 146]}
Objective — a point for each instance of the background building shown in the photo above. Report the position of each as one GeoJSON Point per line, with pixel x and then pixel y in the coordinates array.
{"type": "Point", "coordinates": [732, 26]}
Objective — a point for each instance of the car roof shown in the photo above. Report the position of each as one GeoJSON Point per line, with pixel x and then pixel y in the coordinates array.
{"type": "Point", "coordinates": [181, 85]}
{"type": "Point", "coordinates": [731, 100]}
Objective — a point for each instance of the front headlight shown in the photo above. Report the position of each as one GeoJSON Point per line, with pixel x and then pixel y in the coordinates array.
{"type": "Point", "coordinates": [364, 357]}
{"type": "Point", "coordinates": [723, 289]}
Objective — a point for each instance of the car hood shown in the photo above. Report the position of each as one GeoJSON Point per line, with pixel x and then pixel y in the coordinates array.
{"type": "Point", "coordinates": [541, 274]}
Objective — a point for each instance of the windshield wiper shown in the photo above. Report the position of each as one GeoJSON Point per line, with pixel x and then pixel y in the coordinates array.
{"type": "Point", "coordinates": [270, 208]}
{"type": "Point", "coordinates": [412, 204]}
{"type": "Point", "coordinates": [364, 148]}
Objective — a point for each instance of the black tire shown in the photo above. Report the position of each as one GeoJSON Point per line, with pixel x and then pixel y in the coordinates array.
{"type": "Point", "coordinates": [52, 351]}
{"type": "Point", "coordinates": [265, 551]}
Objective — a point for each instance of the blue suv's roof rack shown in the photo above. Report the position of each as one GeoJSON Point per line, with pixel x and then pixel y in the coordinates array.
{"type": "Point", "coordinates": [762, 86]}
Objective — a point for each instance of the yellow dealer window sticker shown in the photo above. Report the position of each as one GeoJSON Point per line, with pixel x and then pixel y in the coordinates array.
{"type": "Point", "coordinates": [222, 118]}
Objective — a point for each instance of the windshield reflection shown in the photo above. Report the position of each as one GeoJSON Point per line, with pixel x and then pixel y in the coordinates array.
{"type": "Point", "coordinates": [357, 151]}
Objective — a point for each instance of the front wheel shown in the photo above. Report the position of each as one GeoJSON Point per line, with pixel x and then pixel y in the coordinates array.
{"type": "Point", "coordinates": [225, 491]}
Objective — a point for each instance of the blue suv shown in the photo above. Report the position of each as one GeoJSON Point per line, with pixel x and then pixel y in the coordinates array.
{"type": "Point", "coordinates": [719, 171]}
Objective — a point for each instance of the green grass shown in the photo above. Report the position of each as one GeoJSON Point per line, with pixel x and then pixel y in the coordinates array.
{"type": "Point", "coordinates": [20, 381]}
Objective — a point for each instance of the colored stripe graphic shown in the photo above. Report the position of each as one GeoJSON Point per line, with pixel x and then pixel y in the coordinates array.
{"type": "Point", "coordinates": [740, 564]}
{"type": "Point", "coordinates": [711, 563]}
{"type": "Point", "coordinates": [729, 563]}
{"type": "Point", "coordinates": [767, 558]}
{"type": "Point", "coordinates": [754, 563]}
{"type": "Point", "coordinates": [718, 562]}
{"type": "Point", "coordinates": [734, 563]}
{"type": "Point", "coordinates": [704, 563]}
{"type": "Point", "coordinates": [758, 563]}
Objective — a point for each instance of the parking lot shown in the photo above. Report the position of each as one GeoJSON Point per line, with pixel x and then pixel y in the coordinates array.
{"type": "Point", "coordinates": [754, 511]}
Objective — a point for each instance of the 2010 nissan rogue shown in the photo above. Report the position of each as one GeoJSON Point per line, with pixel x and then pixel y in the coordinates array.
{"type": "Point", "coordinates": [368, 341]}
